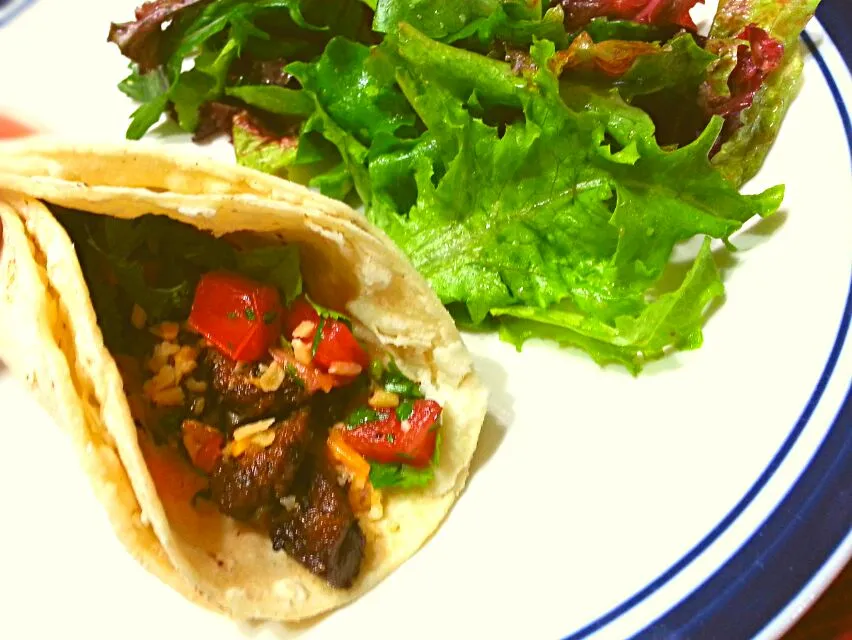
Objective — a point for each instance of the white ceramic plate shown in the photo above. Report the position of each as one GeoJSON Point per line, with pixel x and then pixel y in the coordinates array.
{"type": "Point", "coordinates": [703, 499]}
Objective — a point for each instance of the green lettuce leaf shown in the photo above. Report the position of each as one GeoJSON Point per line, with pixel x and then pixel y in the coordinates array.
{"type": "Point", "coordinates": [681, 65]}
{"type": "Point", "coordinates": [673, 321]}
{"type": "Point", "coordinates": [278, 100]}
{"type": "Point", "coordinates": [356, 87]}
{"type": "Point", "coordinates": [568, 204]}
{"type": "Point", "coordinates": [437, 20]}
{"type": "Point", "coordinates": [601, 29]}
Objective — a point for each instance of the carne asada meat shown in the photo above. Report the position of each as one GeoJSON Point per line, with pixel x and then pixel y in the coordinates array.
{"type": "Point", "coordinates": [241, 486]}
{"type": "Point", "coordinates": [320, 530]}
{"type": "Point", "coordinates": [245, 400]}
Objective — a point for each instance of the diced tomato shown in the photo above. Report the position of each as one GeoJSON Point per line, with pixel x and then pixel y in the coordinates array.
{"type": "Point", "coordinates": [203, 444]}
{"type": "Point", "coordinates": [337, 344]}
{"type": "Point", "coordinates": [240, 317]}
{"type": "Point", "coordinates": [300, 311]}
{"type": "Point", "coordinates": [314, 378]}
{"type": "Point", "coordinates": [378, 440]}
{"type": "Point", "coordinates": [10, 128]}
{"type": "Point", "coordinates": [384, 440]}
{"type": "Point", "coordinates": [419, 441]}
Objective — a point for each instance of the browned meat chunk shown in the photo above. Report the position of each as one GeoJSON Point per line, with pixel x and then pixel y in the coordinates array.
{"type": "Point", "coordinates": [245, 400]}
{"type": "Point", "coordinates": [242, 486]}
{"type": "Point", "coordinates": [320, 531]}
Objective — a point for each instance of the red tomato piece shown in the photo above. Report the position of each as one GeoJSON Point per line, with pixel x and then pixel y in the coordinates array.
{"type": "Point", "coordinates": [378, 440]}
{"type": "Point", "coordinates": [240, 317]}
{"type": "Point", "coordinates": [299, 312]}
{"type": "Point", "coordinates": [419, 441]}
{"type": "Point", "coordinates": [337, 344]}
{"type": "Point", "coordinates": [10, 128]}
{"type": "Point", "coordinates": [384, 440]}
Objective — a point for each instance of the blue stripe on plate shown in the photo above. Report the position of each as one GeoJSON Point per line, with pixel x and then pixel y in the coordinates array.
{"type": "Point", "coordinates": [815, 517]}
{"type": "Point", "coordinates": [14, 8]}
{"type": "Point", "coordinates": [761, 574]}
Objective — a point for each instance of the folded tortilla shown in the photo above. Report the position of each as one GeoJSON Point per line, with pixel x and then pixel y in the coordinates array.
{"type": "Point", "coordinates": [52, 342]}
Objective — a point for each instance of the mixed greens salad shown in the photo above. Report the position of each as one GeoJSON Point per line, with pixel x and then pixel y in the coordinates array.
{"type": "Point", "coordinates": [536, 163]}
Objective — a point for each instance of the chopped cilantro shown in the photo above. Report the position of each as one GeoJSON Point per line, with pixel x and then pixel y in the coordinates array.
{"type": "Point", "coordinates": [325, 312]}
{"type": "Point", "coordinates": [269, 317]}
{"type": "Point", "coordinates": [376, 369]}
{"type": "Point", "coordinates": [293, 375]}
{"type": "Point", "coordinates": [232, 315]}
{"type": "Point", "coordinates": [403, 411]}
{"type": "Point", "coordinates": [361, 416]}
{"type": "Point", "coordinates": [399, 476]}
{"type": "Point", "coordinates": [251, 316]}
{"type": "Point", "coordinates": [390, 438]}
{"type": "Point", "coordinates": [317, 337]}
{"type": "Point", "coordinates": [394, 380]}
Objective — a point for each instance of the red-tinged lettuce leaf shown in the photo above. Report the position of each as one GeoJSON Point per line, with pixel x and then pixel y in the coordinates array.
{"type": "Point", "coordinates": [215, 118]}
{"type": "Point", "coordinates": [743, 153]}
{"type": "Point", "coordinates": [611, 57]}
{"type": "Point", "coordinates": [578, 13]}
{"type": "Point", "coordinates": [756, 57]}
{"type": "Point", "coordinates": [213, 33]}
{"type": "Point", "coordinates": [564, 206]}
{"type": "Point", "coordinates": [637, 67]}
{"type": "Point", "coordinates": [259, 148]}
{"type": "Point", "coordinates": [142, 39]}
{"type": "Point", "coordinates": [663, 79]}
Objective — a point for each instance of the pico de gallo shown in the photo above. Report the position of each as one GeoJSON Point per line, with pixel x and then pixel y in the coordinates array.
{"type": "Point", "coordinates": [284, 417]}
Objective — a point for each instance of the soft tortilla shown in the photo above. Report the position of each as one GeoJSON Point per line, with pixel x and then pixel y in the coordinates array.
{"type": "Point", "coordinates": [53, 342]}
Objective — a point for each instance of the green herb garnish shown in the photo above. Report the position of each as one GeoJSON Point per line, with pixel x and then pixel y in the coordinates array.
{"type": "Point", "coordinates": [395, 381]}
{"type": "Point", "coordinates": [404, 410]}
{"type": "Point", "coordinates": [293, 375]}
{"type": "Point", "coordinates": [317, 337]}
{"type": "Point", "coordinates": [361, 416]}
{"type": "Point", "coordinates": [251, 316]}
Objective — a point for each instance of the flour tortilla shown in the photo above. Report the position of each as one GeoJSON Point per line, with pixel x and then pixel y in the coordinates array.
{"type": "Point", "coordinates": [51, 340]}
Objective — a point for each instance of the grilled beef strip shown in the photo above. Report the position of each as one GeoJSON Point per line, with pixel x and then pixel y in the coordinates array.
{"type": "Point", "coordinates": [320, 531]}
{"type": "Point", "coordinates": [242, 487]}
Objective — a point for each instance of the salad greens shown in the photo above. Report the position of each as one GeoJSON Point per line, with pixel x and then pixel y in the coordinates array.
{"type": "Point", "coordinates": [537, 162]}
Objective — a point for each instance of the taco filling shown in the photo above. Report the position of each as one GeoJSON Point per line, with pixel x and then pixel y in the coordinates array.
{"type": "Point", "coordinates": [277, 415]}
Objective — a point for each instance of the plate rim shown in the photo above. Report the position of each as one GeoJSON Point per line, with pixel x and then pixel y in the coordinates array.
{"type": "Point", "coordinates": [14, 10]}
{"type": "Point", "coordinates": [712, 609]}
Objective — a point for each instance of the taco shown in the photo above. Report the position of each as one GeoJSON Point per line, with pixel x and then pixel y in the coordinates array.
{"type": "Point", "coordinates": [273, 406]}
